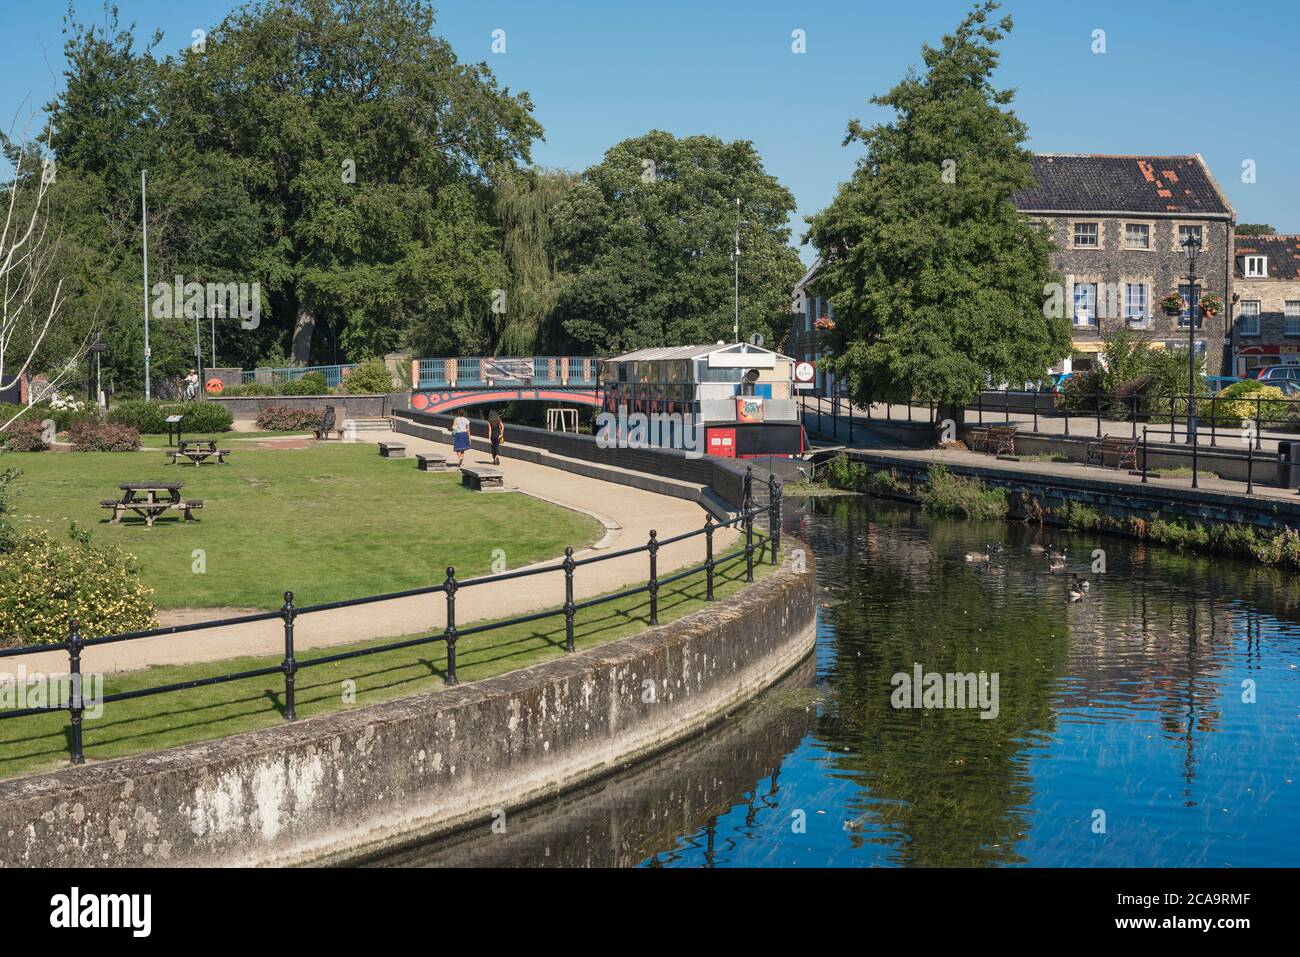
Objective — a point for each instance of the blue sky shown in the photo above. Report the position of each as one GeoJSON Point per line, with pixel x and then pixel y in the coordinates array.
{"type": "Point", "coordinates": [1192, 76]}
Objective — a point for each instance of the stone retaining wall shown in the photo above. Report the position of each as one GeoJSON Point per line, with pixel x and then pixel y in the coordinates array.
{"type": "Point", "coordinates": [348, 784]}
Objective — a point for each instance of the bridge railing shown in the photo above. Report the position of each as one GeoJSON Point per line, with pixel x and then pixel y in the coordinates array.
{"type": "Point", "coordinates": [474, 372]}
{"type": "Point", "coordinates": [333, 374]}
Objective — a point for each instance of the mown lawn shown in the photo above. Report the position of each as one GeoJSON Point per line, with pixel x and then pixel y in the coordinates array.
{"type": "Point", "coordinates": [326, 522]}
{"type": "Point", "coordinates": [198, 714]}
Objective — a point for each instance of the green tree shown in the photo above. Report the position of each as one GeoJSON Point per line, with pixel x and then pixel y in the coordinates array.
{"type": "Point", "coordinates": [937, 281]}
{"type": "Point", "coordinates": [648, 235]}
{"type": "Point", "coordinates": [1254, 229]}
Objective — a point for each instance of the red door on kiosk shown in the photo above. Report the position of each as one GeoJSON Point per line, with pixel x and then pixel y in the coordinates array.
{"type": "Point", "coordinates": [722, 442]}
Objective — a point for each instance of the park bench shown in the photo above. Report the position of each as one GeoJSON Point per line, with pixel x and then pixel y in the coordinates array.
{"type": "Point", "coordinates": [481, 479]}
{"type": "Point", "coordinates": [149, 500]}
{"type": "Point", "coordinates": [329, 423]}
{"type": "Point", "coordinates": [995, 440]}
{"type": "Point", "coordinates": [1116, 448]}
{"type": "Point", "coordinates": [197, 455]}
{"type": "Point", "coordinates": [392, 450]}
{"type": "Point", "coordinates": [430, 463]}
{"type": "Point", "coordinates": [977, 438]}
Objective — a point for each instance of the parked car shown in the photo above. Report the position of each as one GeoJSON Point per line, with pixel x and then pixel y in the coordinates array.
{"type": "Point", "coordinates": [1275, 374]}
{"type": "Point", "coordinates": [1218, 383]}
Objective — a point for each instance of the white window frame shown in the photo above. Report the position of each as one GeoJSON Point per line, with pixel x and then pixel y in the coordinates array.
{"type": "Point", "coordinates": [1129, 315]}
{"type": "Point", "coordinates": [1243, 328]}
{"type": "Point", "coordinates": [1089, 314]}
{"type": "Point", "coordinates": [1149, 231]}
{"type": "Point", "coordinates": [1096, 235]}
{"type": "Point", "coordinates": [1178, 235]}
{"type": "Point", "coordinates": [1258, 273]}
{"type": "Point", "coordinates": [1291, 315]}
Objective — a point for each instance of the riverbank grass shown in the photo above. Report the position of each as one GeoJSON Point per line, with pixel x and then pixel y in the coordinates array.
{"type": "Point", "coordinates": [162, 721]}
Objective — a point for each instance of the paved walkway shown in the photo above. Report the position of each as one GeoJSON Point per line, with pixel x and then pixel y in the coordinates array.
{"type": "Point", "coordinates": [1081, 425]}
{"type": "Point", "coordinates": [631, 513]}
{"type": "Point", "coordinates": [867, 439]}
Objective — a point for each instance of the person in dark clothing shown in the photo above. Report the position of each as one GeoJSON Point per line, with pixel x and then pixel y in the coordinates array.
{"type": "Point", "coordinates": [496, 434]}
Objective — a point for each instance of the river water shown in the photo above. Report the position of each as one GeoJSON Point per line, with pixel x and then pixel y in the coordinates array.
{"type": "Point", "coordinates": [1152, 723]}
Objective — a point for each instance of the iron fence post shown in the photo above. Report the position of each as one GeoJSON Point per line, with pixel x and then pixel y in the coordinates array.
{"type": "Point", "coordinates": [708, 557]}
{"type": "Point", "coordinates": [979, 405]}
{"type": "Point", "coordinates": [1259, 422]}
{"type": "Point", "coordinates": [1250, 469]}
{"type": "Point", "coordinates": [1006, 406]}
{"type": "Point", "coordinates": [749, 523]}
{"type": "Point", "coordinates": [1144, 455]}
{"type": "Point", "coordinates": [773, 517]}
{"type": "Point", "coordinates": [1173, 416]}
{"type": "Point", "coordinates": [1193, 436]}
{"type": "Point", "coordinates": [1098, 401]}
{"type": "Point", "coordinates": [76, 706]}
{"type": "Point", "coordinates": [1065, 404]}
{"type": "Point", "coordinates": [290, 664]}
{"type": "Point", "coordinates": [1035, 408]}
{"type": "Point", "coordinates": [1214, 419]}
{"type": "Point", "coordinates": [568, 598]}
{"type": "Point", "coordinates": [653, 548]}
{"type": "Point", "coordinates": [851, 417]}
{"type": "Point", "coordinates": [1135, 415]}
{"type": "Point", "coordinates": [450, 587]}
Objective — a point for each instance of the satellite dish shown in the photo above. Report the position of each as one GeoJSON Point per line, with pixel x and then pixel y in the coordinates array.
{"type": "Point", "coordinates": [756, 340]}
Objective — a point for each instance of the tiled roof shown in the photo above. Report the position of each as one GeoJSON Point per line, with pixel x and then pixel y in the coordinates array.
{"type": "Point", "coordinates": [1122, 184]}
{"type": "Point", "coordinates": [1283, 254]}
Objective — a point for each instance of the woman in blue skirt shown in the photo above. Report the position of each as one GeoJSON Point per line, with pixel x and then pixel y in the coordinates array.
{"type": "Point", "coordinates": [460, 437]}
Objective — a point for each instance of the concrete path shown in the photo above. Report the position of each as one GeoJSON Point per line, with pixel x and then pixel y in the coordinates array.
{"type": "Point", "coordinates": [867, 439]}
{"type": "Point", "coordinates": [627, 513]}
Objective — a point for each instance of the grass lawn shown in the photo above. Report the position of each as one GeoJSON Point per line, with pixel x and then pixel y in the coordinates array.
{"type": "Point", "coordinates": [198, 714]}
{"type": "Point", "coordinates": [326, 522]}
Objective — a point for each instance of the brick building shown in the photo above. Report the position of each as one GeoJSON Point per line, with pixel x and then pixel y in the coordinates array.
{"type": "Point", "coordinates": [1118, 222]}
{"type": "Point", "coordinates": [1267, 283]}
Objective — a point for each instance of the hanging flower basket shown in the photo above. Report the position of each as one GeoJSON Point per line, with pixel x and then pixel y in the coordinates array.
{"type": "Point", "coordinates": [1173, 304]}
{"type": "Point", "coordinates": [1211, 305]}
{"type": "Point", "coordinates": [825, 324]}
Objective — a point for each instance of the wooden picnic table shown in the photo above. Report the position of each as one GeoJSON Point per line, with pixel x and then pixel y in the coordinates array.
{"type": "Point", "coordinates": [149, 500]}
{"type": "Point", "coordinates": [198, 451]}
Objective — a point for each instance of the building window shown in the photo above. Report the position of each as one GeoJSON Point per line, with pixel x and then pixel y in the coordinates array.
{"type": "Point", "coordinates": [1135, 301]}
{"type": "Point", "coordinates": [1085, 234]}
{"type": "Point", "coordinates": [1190, 232]}
{"type": "Point", "coordinates": [1256, 267]}
{"type": "Point", "coordinates": [1185, 290]}
{"type": "Point", "coordinates": [1248, 318]}
{"type": "Point", "coordinates": [1085, 304]}
{"type": "Point", "coordinates": [1137, 236]}
{"type": "Point", "coordinates": [1292, 317]}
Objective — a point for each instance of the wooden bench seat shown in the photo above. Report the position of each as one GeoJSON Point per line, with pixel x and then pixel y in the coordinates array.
{"type": "Point", "coordinates": [1112, 448]}
{"type": "Point", "coordinates": [481, 479]}
{"type": "Point", "coordinates": [430, 463]}
{"type": "Point", "coordinates": [1001, 440]}
{"type": "Point", "coordinates": [392, 450]}
{"type": "Point", "coordinates": [977, 438]}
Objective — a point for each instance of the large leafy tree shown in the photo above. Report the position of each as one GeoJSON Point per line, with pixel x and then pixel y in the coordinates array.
{"type": "Point", "coordinates": [648, 235]}
{"type": "Point", "coordinates": [937, 281]}
{"type": "Point", "coordinates": [370, 150]}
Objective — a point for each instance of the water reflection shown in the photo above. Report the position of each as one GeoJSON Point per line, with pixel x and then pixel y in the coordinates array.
{"type": "Point", "coordinates": [1152, 723]}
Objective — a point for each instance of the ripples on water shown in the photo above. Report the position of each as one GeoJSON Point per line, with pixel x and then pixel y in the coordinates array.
{"type": "Point", "coordinates": [1128, 703]}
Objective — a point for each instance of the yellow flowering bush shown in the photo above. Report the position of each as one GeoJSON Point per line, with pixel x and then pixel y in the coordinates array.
{"type": "Point", "coordinates": [47, 583]}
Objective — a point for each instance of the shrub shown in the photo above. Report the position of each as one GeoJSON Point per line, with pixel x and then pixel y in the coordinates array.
{"type": "Point", "coordinates": [288, 418]}
{"type": "Point", "coordinates": [25, 436]}
{"type": "Point", "coordinates": [369, 377]}
{"type": "Point", "coordinates": [948, 494]}
{"type": "Point", "coordinates": [311, 383]}
{"type": "Point", "coordinates": [50, 583]}
{"type": "Point", "coordinates": [249, 389]}
{"type": "Point", "coordinates": [148, 417]}
{"type": "Point", "coordinates": [1237, 403]}
{"type": "Point", "coordinates": [103, 437]}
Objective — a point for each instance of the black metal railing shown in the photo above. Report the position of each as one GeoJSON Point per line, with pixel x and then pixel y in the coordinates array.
{"type": "Point", "coordinates": [76, 644]}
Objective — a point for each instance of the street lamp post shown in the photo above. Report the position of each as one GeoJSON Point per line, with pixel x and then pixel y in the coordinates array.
{"type": "Point", "coordinates": [1192, 247]}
